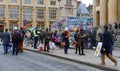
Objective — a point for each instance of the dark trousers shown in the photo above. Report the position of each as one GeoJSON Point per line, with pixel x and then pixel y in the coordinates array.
{"type": "Point", "coordinates": [82, 47]}
{"type": "Point", "coordinates": [35, 42]}
{"type": "Point", "coordinates": [15, 48]}
{"type": "Point", "coordinates": [46, 46]}
{"type": "Point", "coordinates": [78, 47]}
{"type": "Point", "coordinates": [5, 46]}
{"type": "Point", "coordinates": [66, 47]}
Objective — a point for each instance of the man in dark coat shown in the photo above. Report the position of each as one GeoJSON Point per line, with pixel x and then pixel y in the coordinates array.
{"type": "Point", "coordinates": [6, 39]}
{"type": "Point", "coordinates": [47, 38]}
{"type": "Point", "coordinates": [15, 40]}
{"type": "Point", "coordinates": [65, 37]}
{"type": "Point", "coordinates": [106, 46]}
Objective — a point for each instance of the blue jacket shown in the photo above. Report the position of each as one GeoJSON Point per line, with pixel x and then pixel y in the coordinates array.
{"type": "Point", "coordinates": [5, 37]}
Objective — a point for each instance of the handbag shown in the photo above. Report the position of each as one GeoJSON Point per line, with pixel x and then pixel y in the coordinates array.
{"type": "Point", "coordinates": [78, 44]}
{"type": "Point", "coordinates": [63, 43]}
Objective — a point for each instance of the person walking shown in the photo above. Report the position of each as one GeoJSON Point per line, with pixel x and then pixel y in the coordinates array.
{"type": "Point", "coordinates": [116, 29]}
{"type": "Point", "coordinates": [77, 37]}
{"type": "Point", "coordinates": [5, 38]}
{"type": "Point", "coordinates": [66, 40]}
{"type": "Point", "coordinates": [119, 28]}
{"type": "Point", "coordinates": [22, 33]}
{"type": "Point", "coordinates": [36, 35]}
{"type": "Point", "coordinates": [106, 47]}
{"type": "Point", "coordinates": [15, 40]}
{"type": "Point", "coordinates": [83, 36]}
{"type": "Point", "coordinates": [47, 39]}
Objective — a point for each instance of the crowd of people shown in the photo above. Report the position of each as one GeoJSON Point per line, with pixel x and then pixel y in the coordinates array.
{"type": "Point", "coordinates": [107, 35]}
{"type": "Point", "coordinates": [15, 39]}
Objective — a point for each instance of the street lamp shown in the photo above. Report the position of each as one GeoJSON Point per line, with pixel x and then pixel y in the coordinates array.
{"type": "Point", "coordinates": [21, 13]}
{"type": "Point", "coordinates": [79, 12]}
{"type": "Point", "coordinates": [59, 8]}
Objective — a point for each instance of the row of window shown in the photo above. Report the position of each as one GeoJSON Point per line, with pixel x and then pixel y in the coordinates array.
{"type": "Point", "coordinates": [29, 2]}
{"type": "Point", "coordinates": [27, 13]}
{"type": "Point", "coordinates": [68, 2]}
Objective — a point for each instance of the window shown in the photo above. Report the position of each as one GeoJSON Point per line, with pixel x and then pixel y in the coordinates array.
{"type": "Point", "coordinates": [52, 14]}
{"type": "Point", "coordinates": [1, 0]}
{"type": "Point", "coordinates": [53, 3]}
{"type": "Point", "coordinates": [13, 1]}
{"type": "Point", "coordinates": [41, 25]}
{"type": "Point", "coordinates": [12, 25]}
{"type": "Point", "coordinates": [1, 12]}
{"type": "Point", "coordinates": [68, 2]}
{"type": "Point", "coordinates": [69, 11]}
{"type": "Point", "coordinates": [40, 14]}
{"type": "Point", "coordinates": [27, 1]}
{"type": "Point", "coordinates": [27, 14]}
{"type": "Point", "coordinates": [40, 1]}
{"type": "Point", "coordinates": [13, 12]}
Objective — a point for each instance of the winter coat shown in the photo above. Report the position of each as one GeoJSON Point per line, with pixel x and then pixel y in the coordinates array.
{"type": "Point", "coordinates": [107, 42]}
{"type": "Point", "coordinates": [5, 37]}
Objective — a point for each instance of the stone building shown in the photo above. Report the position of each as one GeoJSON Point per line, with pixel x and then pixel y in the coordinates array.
{"type": "Point", "coordinates": [106, 11]}
{"type": "Point", "coordinates": [37, 12]}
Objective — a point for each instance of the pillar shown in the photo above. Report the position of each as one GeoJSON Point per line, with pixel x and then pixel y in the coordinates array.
{"type": "Point", "coordinates": [112, 11]}
{"type": "Point", "coordinates": [103, 12]}
{"type": "Point", "coordinates": [94, 13]}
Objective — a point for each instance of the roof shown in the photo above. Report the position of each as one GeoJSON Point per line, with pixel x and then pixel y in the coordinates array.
{"type": "Point", "coordinates": [82, 9]}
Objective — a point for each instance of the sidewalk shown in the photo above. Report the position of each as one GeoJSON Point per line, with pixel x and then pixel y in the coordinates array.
{"type": "Point", "coordinates": [88, 59]}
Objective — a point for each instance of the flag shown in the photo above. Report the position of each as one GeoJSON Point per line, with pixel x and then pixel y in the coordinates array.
{"type": "Point", "coordinates": [25, 22]}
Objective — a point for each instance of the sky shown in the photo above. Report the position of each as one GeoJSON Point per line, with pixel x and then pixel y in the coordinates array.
{"type": "Point", "coordinates": [87, 2]}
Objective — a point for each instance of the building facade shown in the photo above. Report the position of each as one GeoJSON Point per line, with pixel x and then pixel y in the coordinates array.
{"type": "Point", "coordinates": [41, 13]}
{"type": "Point", "coordinates": [106, 11]}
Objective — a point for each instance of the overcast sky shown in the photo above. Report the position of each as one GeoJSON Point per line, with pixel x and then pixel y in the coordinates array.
{"type": "Point", "coordinates": [87, 2]}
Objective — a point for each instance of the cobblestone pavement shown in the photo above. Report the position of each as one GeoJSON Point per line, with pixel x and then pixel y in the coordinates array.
{"type": "Point", "coordinates": [29, 61]}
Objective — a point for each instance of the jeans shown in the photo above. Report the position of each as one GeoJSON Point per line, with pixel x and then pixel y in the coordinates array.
{"type": "Point", "coordinates": [15, 48]}
{"type": "Point", "coordinates": [46, 46]}
{"type": "Point", "coordinates": [5, 46]}
{"type": "Point", "coordinates": [35, 42]}
{"type": "Point", "coordinates": [66, 47]}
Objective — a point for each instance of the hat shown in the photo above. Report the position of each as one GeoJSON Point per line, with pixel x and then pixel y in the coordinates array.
{"type": "Point", "coordinates": [66, 29]}
{"type": "Point", "coordinates": [15, 28]}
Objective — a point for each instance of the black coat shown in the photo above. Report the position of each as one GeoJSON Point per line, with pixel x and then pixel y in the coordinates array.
{"type": "Point", "coordinates": [107, 42]}
{"type": "Point", "coordinates": [5, 37]}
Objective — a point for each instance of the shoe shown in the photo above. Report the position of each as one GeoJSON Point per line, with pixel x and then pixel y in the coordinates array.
{"type": "Point", "coordinates": [75, 52]}
{"type": "Point", "coordinates": [102, 63]}
{"type": "Point", "coordinates": [80, 54]}
{"type": "Point", "coordinates": [4, 53]}
{"type": "Point", "coordinates": [66, 53]}
{"type": "Point", "coordinates": [115, 63]}
{"type": "Point", "coordinates": [83, 54]}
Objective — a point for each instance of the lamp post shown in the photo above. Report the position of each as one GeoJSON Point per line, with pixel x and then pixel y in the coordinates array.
{"type": "Point", "coordinates": [79, 14]}
{"type": "Point", "coordinates": [59, 8]}
{"type": "Point", "coordinates": [21, 13]}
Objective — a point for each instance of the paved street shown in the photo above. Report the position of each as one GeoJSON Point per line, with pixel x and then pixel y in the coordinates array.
{"type": "Point", "coordinates": [88, 59]}
{"type": "Point", "coordinates": [29, 61]}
